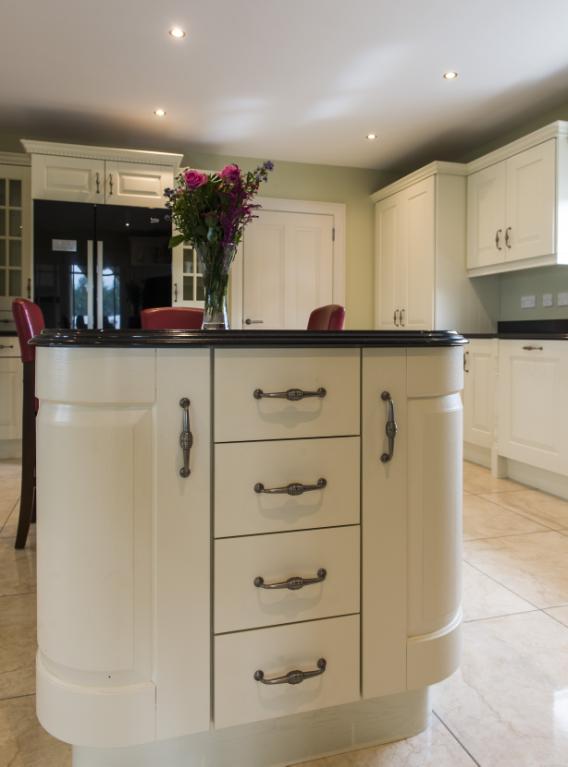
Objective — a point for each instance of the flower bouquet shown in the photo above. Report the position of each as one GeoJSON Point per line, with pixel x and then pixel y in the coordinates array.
{"type": "Point", "coordinates": [210, 211]}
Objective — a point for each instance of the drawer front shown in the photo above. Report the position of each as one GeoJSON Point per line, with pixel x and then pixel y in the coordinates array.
{"type": "Point", "coordinates": [240, 416]}
{"type": "Point", "coordinates": [9, 346]}
{"type": "Point", "coordinates": [240, 698]}
{"type": "Point", "coordinates": [240, 467]}
{"type": "Point", "coordinates": [240, 604]}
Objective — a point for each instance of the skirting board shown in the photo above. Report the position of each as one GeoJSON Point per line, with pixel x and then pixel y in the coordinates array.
{"type": "Point", "coordinates": [10, 448]}
{"type": "Point", "coordinates": [476, 454]}
{"type": "Point", "coordinates": [279, 742]}
{"type": "Point", "coordinates": [547, 481]}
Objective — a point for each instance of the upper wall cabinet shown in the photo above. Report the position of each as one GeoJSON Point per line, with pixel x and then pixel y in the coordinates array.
{"type": "Point", "coordinates": [514, 196]}
{"type": "Point", "coordinates": [73, 173]}
{"type": "Point", "coordinates": [420, 271]}
{"type": "Point", "coordinates": [15, 225]}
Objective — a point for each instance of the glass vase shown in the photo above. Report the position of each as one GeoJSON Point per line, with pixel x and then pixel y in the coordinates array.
{"type": "Point", "coordinates": [214, 263]}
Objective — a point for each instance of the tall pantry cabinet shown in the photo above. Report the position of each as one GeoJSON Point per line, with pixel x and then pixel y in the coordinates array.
{"type": "Point", "coordinates": [420, 257]}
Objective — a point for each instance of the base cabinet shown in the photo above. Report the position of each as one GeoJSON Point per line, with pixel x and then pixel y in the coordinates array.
{"type": "Point", "coordinates": [193, 579]}
{"type": "Point", "coordinates": [479, 391]}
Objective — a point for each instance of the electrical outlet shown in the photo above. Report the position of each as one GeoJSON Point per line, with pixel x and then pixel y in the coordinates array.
{"type": "Point", "coordinates": [562, 299]}
{"type": "Point", "coordinates": [528, 302]}
{"type": "Point", "coordinates": [547, 299]}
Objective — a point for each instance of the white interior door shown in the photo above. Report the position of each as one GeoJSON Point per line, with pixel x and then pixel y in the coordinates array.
{"type": "Point", "coordinates": [287, 268]}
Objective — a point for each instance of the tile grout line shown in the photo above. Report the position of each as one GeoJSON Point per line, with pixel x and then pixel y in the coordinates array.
{"type": "Point", "coordinates": [507, 615]}
{"type": "Point", "coordinates": [455, 737]}
{"type": "Point", "coordinates": [528, 601]}
{"type": "Point", "coordinates": [508, 535]}
{"type": "Point", "coordinates": [523, 514]}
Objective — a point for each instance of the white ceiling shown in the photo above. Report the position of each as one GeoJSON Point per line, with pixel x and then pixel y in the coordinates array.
{"type": "Point", "coordinates": [301, 80]}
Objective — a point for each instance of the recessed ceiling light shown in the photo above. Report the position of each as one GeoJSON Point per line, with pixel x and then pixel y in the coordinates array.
{"type": "Point", "coordinates": [160, 112]}
{"type": "Point", "coordinates": [371, 136]}
{"type": "Point", "coordinates": [450, 75]}
{"type": "Point", "coordinates": [177, 32]}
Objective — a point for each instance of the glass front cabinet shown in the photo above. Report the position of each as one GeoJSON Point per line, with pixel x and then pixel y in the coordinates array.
{"type": "Point", "coordinates": [187, 280]}
{"type": "Point", "coordinates": [15, 231]}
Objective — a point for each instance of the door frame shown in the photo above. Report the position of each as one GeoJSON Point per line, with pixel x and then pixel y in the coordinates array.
{"type": "Point", "coordinates": [280, 204]}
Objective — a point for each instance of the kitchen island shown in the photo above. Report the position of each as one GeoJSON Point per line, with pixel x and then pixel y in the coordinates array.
{"type": "Point", "coordinates": [248, 542]}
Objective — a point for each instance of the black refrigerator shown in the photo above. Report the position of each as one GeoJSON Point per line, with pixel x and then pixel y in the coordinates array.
{"type": "Point", "coordinates": [97, 266]}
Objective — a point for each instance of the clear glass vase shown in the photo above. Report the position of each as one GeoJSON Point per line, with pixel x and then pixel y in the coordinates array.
{"type": "Point", "coordinates": [214, 264]}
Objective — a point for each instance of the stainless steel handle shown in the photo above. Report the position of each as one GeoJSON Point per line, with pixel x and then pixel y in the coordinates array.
{"type": "Point", "coordinates": [391, 427]}
{"type": "Point", "coordinates": [175, 292]}
{"type": "Point", "coordinates": [394, 316]}
{"type": "Point", "coordinates": [294, 488]}
{"type": "Point", "coordinates": [508, 236]}
{"type": "Point", "coordinates": [6, 346]}
{"type": "Point", "coordinates": [292, 677]}
{"type": "Point", "coordinates": [465, 362]}
{"type": "Point", "coordinates": [403, 317]}
{"type": "Point", "coordinates": [498, 234]}
{"type": "Point", "coordinates": [292, 395]}
{"type": "Point", "coordinates": [110, 183]}
{"type": "Point", "coordinates": [295, 583]}
{"type": "Point", "coordinates": [98, 182]}
{"type": "Point", "coordinates": [532, 348]}
{"type": "Point", "coordinates": [185, 438]}
{"type": "Point", "coordinates": [248, 321]}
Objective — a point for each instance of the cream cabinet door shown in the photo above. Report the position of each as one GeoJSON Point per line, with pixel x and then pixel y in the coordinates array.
{"type": "Point", "coordinates": [486, 216]}
{"type": "Point", "coordinates": [533, 418]}
{"type": "Point", "coordinates": [15, 238]}
{"type": "Point", "coordinates": [417, 264]}
{"type": "Point", "coordinates": [531, 203]}
{"type": "Point", "coordinates": [130, 183]}
{"type": "Point", "coordinates": [388, 253]}
{"type": "Point", "coordinates": [10, 395]}
{"type": "Point", "coordinates": [480, 363]}
{"type": "Point", "coordinates": [71, 179]}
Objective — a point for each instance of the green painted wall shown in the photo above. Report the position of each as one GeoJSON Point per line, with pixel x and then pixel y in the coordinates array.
{"type": "Point", "coordinates": [352, 186]}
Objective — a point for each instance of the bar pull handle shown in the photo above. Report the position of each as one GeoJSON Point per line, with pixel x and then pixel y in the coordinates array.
{"type": "Point", "coordinates": [294, 488]}
{"type": "Point", "coordinates": [403, 317]}
{"type": "Point", "coordinates": [295, 583]}
{"type": "Point", "coordinates": [391, 427]}
{"type": "Point", "coordinates": [248, 321]}
{"type": "Point", "coordinates": [508, 237]}
{"type": "Point", "coordinates": [110, 183]}
{"type": "Point", "coordinates": [394, 318]}
{"type": "Point", "coordinates": [29, 287]}
{"type": "Point", "coordinates": [6, 346]}
{"type": "Point", "coordinates": [185, 438]}
{"type": "Point", "coordinates": [498, 234]}
{"type": "Point", "coordinates": [175, 292]}
{"type": "Point", "coordinates": [466, 362]}
{"type": "Point", "coordinates": [98, 182]}
{"type": "Point", "coordinates": [532, 348]}
{"type": "Point", "coordinates": [292, 395]}
{"type": "Point", "coordinates": [292, 677]}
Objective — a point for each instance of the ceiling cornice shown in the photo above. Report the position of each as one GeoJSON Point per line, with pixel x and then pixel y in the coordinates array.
{"type": "Point", "coordinates": [433, 168]}
{"type": "Point", "coordinates": [102, 153]}
{"type": "Point", "coordinates": [14, 158]}
{"type": "Point", "coordinates": [556, 129]}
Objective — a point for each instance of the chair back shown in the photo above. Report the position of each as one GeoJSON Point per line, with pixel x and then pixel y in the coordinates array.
{"type": "Point", "coordinates": [171, 318]}
{"type": "Point", "coordinates": [29, 323]}
{"type": "Point", "coordinates": [329, 317]}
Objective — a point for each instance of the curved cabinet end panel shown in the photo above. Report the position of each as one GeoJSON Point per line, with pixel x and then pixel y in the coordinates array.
{"type": "Point", "coordinates": [433, 657]}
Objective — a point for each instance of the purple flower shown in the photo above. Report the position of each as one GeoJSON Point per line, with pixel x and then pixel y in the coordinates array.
{"type": "Point", "coordinates": [195, 178]}
{"type": "Point", "coordinates": [230, 174]}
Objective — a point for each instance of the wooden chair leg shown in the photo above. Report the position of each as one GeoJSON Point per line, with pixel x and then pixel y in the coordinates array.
{"type": "Point", "coordinates": [27, 497]}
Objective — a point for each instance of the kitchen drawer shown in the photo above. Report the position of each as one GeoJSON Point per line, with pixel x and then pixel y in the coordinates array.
{"type": "Point", "coordinates": [9, 346]}
{"type": "Point", "coordinates": [240, 467]}
{"type": "Point", "coordinates": [240, 698]}
{"type": "Point", "coordinates": [240, 604]}
{"type": "Point", "coordinates": [239, 373]}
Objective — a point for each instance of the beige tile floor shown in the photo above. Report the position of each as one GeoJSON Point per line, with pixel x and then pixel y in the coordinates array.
{"type": "Point", "coordinates": [507, 706]}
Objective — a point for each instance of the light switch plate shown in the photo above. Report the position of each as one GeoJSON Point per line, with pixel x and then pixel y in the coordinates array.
{"type": "Point", "coordinates": [562, 299]}
{"type": "Point", "coordinates": [528, 302]}
{"type": "Point", "coordinates": [547, 299]}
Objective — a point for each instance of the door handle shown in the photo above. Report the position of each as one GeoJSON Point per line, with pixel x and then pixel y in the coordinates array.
{"type": "Point", "coordinates": [175, 292]}
{"type": "Point", "coordinates": [498, 234]}
{"type": "Point", "coordinates": [248, 321]}
{"type": "Point", "coordinates": [292, 395]}
{"type": "Point", "coordinates": [532, 348]}
{"type": "Point", "coordinates": [110, 183]}
{"type": "Point", "coordinates": [98, 182]}
{"type": "Point", "coordinates": [403, 317]}
{"type": "Point", "coordinates": [394, 316]}
{"type": "Point", "coordinates": [185, 438]}
{"type": "Point", "coordinates": [465, 362]}
{"type": "Point", "coordinates": [292, 677]}
{"type": "Point", "coordinates": [391, 427]}
{"type": "Point", "coordinates": [508, 231]}
{"type": "Point", "coordinates": [294, 488]}
{"type": "Point", "coordinates": [292, 584]}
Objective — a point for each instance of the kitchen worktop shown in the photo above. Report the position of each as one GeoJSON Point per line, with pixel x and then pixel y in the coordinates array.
{"type": "Point", "coordinates": [551, 330]}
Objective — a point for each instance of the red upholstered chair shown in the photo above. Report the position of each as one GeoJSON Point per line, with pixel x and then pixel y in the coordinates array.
{"type": "Point", "coordinates": [330, 317]}
{"type": "Point", "coordinates": [29, 322]}
{"type": "Point", "coordinates": [171, 318]}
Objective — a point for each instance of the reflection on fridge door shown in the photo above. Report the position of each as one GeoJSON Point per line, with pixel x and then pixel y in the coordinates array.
{"type": "Point", "coordinates": [98, 266]}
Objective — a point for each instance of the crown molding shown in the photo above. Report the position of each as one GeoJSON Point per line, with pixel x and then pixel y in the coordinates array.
{"type": "Point", "coordinates": [558, 129]}
{"type": "Point", "coordinates": [102, 153]}
{"type": "Point", "coordinates": [432, 169]}
{"type": "Point", "coordinates": [14, 158]}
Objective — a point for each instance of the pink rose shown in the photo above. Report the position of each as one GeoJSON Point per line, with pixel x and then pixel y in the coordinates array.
{"type": "Point", "coordinates": [195, 178]}
{"type": "Point", "coordinates": [230, 174]}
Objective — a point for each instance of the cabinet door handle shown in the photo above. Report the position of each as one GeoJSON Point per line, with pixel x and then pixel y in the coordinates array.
{"type": "Point", "coordinates": [498, 234]}
{"type": "Point", "coordinates": [532, 348]}
{"type": "Point", "coordinates": [292, 677]}
{"type": "Point", "coordinates": [391, 427]}
{"type": "Point", "coordinates": [110, 183]}
{"type": "Point", "coordinates": [248, 321]}
{"type": "Point", "coordinates": [394, 318]}
{"type": "Point", "coordinates": [403, 317]}
{"type": "Point", "coordinates": [294, 488]}
{"type": "Point", "coordinates": [508, 231]}
{"type": "Point", "coordinates": [6, 346]}
{"type": "Point", "coordinates": [465, 362]}
{"type": "Point", "coordinates": [98, 182]}
{"type": "Point", "coordinates": [185, 438]}
{"type": "Point", "coordinates": [295, 583]}
{"type": "Point", "coordinates": [292, 395]}
{"type": "Point", "coordinates": [175, 292]}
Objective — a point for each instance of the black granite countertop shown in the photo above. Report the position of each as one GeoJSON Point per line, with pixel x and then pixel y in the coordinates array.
{"type": "Point", "coordinates": [247, 338]}
{"type": "Point", "coordinates": [543, 330]}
